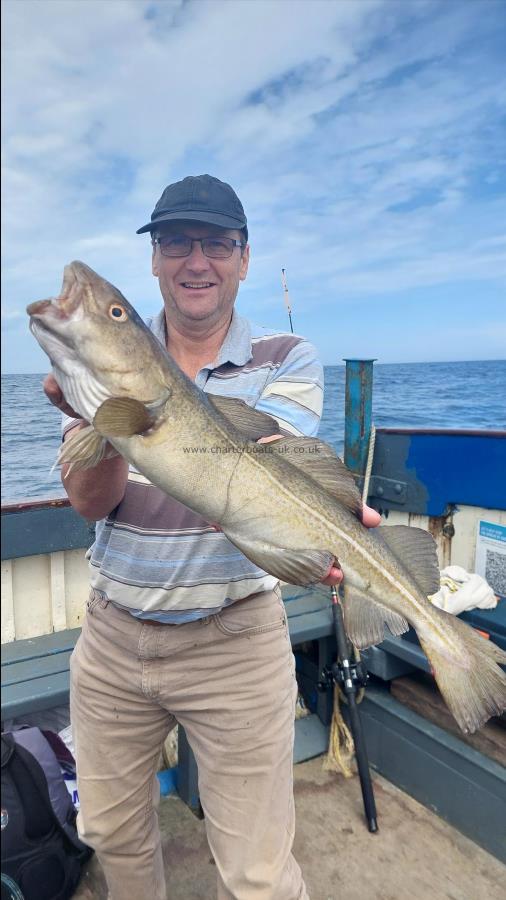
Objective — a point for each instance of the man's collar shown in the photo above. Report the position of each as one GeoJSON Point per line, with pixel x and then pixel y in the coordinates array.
{"type": "Point", "coordinates": [236, 347]}
{"type": "Point", "coordinates": [157, 326]}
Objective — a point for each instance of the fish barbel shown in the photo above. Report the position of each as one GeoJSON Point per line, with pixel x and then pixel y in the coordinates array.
{"type": "Point", "coordinates": [290, 506]}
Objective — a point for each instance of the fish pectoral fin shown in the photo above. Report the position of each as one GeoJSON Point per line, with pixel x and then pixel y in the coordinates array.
{"type": "Point", "coordinates": [320, 461]}
{"type": "Point", "coordinates": [83, 450]}
{"type": "Point", "coordinates": [122, 417]}
{"type": "Point", "coordinates": [365, 619]}
{"type": "Point", "coordinates": [303, 567]}
{"type": "Point", "coordinates": [416, 550]}
{"type": "Point", "coordinates": [253, 423]}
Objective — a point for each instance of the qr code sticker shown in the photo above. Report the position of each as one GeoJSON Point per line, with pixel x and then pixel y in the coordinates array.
{"type": "Point", "coordinates": [495, 571]}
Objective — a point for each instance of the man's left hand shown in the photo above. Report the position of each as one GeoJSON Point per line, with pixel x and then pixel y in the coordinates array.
{"type": "Point", "coordinates": [370, 519]}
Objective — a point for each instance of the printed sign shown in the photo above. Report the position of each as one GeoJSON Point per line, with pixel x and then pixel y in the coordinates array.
{"type": "Point", "coordinates": [490, 559]}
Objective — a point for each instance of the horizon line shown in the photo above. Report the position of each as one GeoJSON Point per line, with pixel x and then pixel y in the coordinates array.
{"type": "Point", "coordinates": [342, 365]}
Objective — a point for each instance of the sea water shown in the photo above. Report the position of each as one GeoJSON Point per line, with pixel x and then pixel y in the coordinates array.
{"type": "Point", "coordinates": [411, 395]}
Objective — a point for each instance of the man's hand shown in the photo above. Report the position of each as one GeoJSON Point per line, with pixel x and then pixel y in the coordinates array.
{"type": "Point", "coordinates": [370, 519]}
{"type": "Point", "coordinates": [54, 394]}
{"type": "Point", "coordinates": [96, 491]}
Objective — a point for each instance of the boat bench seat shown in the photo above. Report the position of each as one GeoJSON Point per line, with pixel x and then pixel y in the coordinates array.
{"type": "Point", "coordinates": [309, 613]}
{"type": "Point", "coordinates": [35, 673]}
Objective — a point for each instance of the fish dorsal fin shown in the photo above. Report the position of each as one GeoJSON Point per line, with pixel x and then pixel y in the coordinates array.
{"type": "Point", "coordinates": [320, 461]}
{"type": "Point", "coordinates": [312, 456]}
{"type": "Point", "coordinates": [416, 550]}
{"type": "Point", "coordinates": [122, 417]}
{"type": "Point", "coordinates": [365, 620]}
{"type": "Point", "coordinates": [83, 450]}
{"type": "Point", "coordinates": [253, 423]}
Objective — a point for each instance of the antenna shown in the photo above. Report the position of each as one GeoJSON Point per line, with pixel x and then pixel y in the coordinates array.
{"type": "Point", "coordinates": [287, 298]}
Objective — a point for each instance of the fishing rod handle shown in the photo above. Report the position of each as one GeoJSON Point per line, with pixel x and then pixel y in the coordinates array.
{"type": "Point", "coordinates": [362, 764]}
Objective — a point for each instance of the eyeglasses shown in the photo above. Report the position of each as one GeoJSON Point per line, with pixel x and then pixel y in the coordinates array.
{"type": "Point", "coordinates": [178, 245]}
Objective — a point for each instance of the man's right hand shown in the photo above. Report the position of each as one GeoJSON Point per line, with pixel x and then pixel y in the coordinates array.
{"type": "Point", "coordinates": [54, 394]}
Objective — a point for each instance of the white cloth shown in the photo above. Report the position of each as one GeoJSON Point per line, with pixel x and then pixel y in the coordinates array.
{"type": "Point", "coordinates": [461, 590]}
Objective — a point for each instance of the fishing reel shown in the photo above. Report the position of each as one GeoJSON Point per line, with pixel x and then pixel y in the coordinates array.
{"type": "Point", "coordinates": [347, 674]}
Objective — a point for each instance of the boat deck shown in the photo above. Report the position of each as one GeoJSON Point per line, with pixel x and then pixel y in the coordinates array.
{"type": "Point", "coordinates": [415, 854]}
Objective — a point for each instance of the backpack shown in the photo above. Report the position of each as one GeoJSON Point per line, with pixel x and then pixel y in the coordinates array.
{"type": "Point", "coordinates": [41, 851]}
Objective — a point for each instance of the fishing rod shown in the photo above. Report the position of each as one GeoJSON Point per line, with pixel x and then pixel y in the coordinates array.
{"type": "Point", "coordinates": [350, 675]}
{"type": "Point", "coordinates": [287, 297]}
{"type": "Point", "coordinates": [347, 674]}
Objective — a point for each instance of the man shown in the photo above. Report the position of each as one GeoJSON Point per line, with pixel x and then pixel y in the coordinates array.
{"type": "Point", "coordinates": [180, 626]}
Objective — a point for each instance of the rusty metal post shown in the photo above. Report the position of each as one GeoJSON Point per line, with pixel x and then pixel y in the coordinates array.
{"type": "Point", "coordinates": [358, 413]}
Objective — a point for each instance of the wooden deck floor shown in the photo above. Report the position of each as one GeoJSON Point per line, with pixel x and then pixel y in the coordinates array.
{"type": "Point", "coordinates": [415, 854]}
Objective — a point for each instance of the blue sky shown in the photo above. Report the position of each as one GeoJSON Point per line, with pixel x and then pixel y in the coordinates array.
{"type": "Point", "coordinates": [366, 139]}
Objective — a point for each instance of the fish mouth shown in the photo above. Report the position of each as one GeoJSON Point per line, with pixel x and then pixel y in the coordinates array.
{"type": "Point", "coordinates": [52, 309]}
{"type": "Point", "coordinates": [62, 308]}
{"type": "Point", "coordinates": [50, 319]}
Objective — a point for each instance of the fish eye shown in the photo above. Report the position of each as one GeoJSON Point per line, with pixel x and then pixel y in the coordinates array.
{"type": "Point", "coordinates": [118, 312]}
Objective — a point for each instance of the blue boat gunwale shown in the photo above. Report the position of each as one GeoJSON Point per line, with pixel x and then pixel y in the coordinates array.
{"type": "Point", "coordinates": [465, 432]}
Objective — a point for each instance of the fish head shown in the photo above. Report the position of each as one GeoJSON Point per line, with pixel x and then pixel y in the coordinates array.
{"type": "Point", "coordinates": [98, 345]}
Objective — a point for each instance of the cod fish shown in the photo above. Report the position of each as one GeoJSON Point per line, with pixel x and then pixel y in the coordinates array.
{"type": "Point", "coordinates": [290, 506]}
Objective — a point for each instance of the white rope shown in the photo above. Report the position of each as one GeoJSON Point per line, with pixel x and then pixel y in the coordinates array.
{"type": "Point", "coordinates": [341, 748]}
{"type": "Point", "coordinates": [368, 468]}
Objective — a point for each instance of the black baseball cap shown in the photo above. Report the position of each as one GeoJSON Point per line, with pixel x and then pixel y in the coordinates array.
{"type": "Point", "coordinates": [199, 198]}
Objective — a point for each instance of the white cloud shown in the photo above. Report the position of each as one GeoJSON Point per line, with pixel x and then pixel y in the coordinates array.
{"type": "Point", "coordinates": [358, 133]}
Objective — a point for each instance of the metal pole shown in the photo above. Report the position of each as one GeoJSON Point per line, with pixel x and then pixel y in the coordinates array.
{"type": "Point", "coordinates": [358, 413]}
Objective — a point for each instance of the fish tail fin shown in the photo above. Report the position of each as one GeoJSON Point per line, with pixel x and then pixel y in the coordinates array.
{"type": "Point", "coordinates": [467, 673]}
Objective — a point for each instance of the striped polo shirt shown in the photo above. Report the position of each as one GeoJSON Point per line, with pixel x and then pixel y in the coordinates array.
{"type": "Point", "coordinates": [155, 557]}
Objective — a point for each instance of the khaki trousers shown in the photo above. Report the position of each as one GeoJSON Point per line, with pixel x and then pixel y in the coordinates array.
{"type": "Point", "coordinates": [229, 680]}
